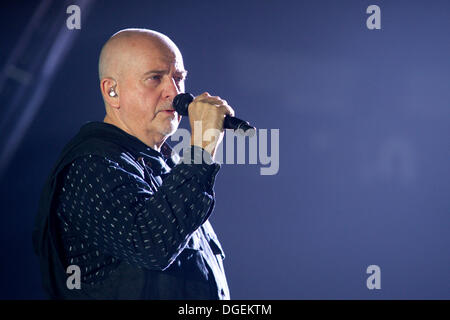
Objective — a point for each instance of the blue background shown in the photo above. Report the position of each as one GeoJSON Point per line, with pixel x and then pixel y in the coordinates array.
{"type": "Point", "coordinates": [364, 140]}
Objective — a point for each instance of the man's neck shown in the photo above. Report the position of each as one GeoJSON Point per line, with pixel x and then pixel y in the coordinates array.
{"type": "Point", "coordinates": [152, 143]}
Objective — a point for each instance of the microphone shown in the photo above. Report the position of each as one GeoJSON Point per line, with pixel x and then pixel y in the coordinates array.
{"type": "Point", "coordinates": [181, 103]}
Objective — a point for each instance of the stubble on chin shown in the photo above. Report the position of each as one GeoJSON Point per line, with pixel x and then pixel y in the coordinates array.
{"type": "Point", "coordinates": [169, 128]}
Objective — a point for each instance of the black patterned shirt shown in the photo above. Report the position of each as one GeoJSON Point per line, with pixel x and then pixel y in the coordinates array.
{"type": "Point", "coordinates": [107, 213]}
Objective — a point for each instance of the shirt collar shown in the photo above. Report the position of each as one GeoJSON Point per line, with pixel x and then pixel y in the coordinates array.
{"type": "Point", "coordinates": [159, 162]}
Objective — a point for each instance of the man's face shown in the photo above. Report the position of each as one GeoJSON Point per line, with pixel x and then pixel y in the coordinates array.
{"type": "Point", "coordinates": [149, 83]}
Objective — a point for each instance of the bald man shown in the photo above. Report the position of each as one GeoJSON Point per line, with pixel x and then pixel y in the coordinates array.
{"type": "Point", "coordinates": [119, 216]}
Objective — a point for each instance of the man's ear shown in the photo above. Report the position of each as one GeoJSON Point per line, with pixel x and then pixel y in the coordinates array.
{"type": "Point", "coordinates": [110, 91]}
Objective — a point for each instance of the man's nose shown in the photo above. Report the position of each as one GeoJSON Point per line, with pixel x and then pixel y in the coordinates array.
{"type": "Point", "coordinates": [171, 89]}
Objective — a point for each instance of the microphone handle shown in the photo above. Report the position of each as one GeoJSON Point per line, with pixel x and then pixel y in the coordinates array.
{"type": "Point", "coordinates": [239, 125]}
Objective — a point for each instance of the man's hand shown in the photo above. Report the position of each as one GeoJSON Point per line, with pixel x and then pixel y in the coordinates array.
{"type": "Point", "coordinates": [206, 116]}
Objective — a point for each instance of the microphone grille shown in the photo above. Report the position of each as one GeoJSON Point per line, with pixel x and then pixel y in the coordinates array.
{"type": "Point", "coordinates": [181, 103]}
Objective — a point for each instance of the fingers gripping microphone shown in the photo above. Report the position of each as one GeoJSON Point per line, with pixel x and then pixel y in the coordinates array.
{"type": "Point", "coordinates": [181, 104]}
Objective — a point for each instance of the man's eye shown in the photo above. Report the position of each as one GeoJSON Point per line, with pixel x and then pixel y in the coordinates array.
{"type": "Point", "coordinates": [156, 77]}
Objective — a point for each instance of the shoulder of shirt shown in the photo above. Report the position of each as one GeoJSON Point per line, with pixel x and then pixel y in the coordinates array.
{"type": "Point", "coordinates": [123, 161]}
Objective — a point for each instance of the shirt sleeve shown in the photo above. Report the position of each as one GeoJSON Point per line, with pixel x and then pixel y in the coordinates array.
{"type": "Point", "coordinates": [118, 212]}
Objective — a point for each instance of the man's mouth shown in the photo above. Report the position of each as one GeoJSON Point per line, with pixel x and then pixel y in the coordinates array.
{"type": "Point", "coordinates": [168, 110]}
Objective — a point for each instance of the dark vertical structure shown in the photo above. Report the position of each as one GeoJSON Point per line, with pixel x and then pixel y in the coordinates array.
{"type": "Point", "coordinates": [30, 68]}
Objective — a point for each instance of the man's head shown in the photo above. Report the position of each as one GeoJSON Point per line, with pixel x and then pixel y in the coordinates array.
{"type": "Point", "coordinates": [141, 71]}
